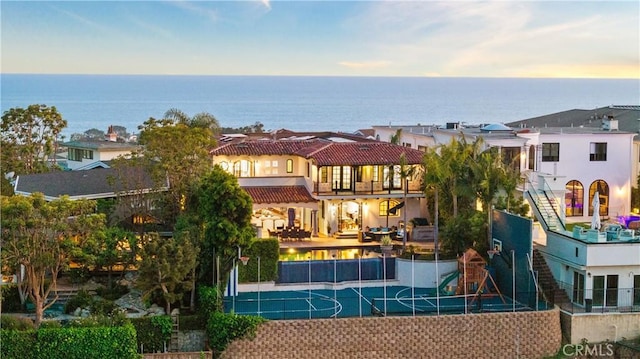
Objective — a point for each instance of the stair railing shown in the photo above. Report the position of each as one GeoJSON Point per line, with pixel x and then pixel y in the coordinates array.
{"type": "Point", "coordinates": [534, 275]}
{"type": "Point", "coordinates": [548, 217]}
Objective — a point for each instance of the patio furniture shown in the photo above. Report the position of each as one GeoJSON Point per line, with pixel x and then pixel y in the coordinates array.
{"type": "Point", "coordinates": [579, 232]}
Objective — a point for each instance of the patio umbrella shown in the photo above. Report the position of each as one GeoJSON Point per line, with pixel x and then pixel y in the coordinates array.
{"type": "Point", "coordinates": [595, 220]}
{"type": "Point", "coordinates": [291, 214]}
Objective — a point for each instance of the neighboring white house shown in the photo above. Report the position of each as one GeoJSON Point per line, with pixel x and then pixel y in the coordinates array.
{"type": "Point", "coordinates": [88, 154]}
{"type": "Point", "coordinates": [568, 157]}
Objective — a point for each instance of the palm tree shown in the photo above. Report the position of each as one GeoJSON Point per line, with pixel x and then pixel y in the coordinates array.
{"type": "Point", "coordinates": [199, 120]}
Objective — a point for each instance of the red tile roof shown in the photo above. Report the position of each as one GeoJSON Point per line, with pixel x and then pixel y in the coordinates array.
{"type": "Point", "coordinates": [325, 153]}
{"type": "Point", "coordinates": [279, 194]}
{"type": "Point", "coordinates": [267, 147]}
{"type": "Point", "coordinates": [361, 154]}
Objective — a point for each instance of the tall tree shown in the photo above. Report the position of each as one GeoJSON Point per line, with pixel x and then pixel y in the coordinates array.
{"type": "Point", "coordinates": [225, 211]}
{"type": "Point", "coordinates": [165, 264]}
{"type": "Point", "coordinates": [179, 155]}
{"type": "Point", "coordinates": [199, 120]}
{"type": "Point", "coordinates": [30, 138]}
{"type": "Point", "coordinates": [112, 247]}
{"type": "Point", "coordinates": [463, 172]}
{"type": "Point", "coordinates": [39, 238]}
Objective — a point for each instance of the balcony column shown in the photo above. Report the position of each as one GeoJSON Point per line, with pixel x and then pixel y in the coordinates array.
{"type": "Point", "coordinates": [314, 223]}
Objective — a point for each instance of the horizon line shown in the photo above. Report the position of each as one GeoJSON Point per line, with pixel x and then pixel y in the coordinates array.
{"type": "Point", "coordinates": [309, 75]}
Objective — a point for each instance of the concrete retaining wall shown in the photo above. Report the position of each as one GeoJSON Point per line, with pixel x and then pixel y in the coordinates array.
{"type": "Point", "coordinates": [597, 327]}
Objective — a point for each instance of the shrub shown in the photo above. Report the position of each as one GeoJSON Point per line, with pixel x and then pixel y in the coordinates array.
{"type": "Point", "coordinates": [69, 343]}
{"type": "Point", "coordinates": [11, 322]}
{"type": "Point", "coordinates": [10, 299]}
{"type": "Point", "coordinates": [208, 302]}
{"type": "Point", "coordinates": [117, 318]}
{"type": "Point", "coordinates": [18, 344]}
{"type": "Point", "coordinates": [81, 300]}
{"type": "Point", "coordinates": [223, 328]}
{"type": "Point", "coordinates": [103, 307]}
{"type": "Point", "coordinates": [153, 332]}
{"type": "Point", "coordinates": [114, 293]}
{"type": "Point", "coordinates": [90, 342]}
{"type": "Point", "coordinates": [268, 250]}
{"type": "Point", "coordinates": [50, 324]}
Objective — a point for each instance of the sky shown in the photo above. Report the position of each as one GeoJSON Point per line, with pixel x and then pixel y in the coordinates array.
{"type": "Point", "coordinates": [562, 39]}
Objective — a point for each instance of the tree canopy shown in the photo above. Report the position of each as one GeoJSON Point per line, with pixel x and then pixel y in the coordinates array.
{"type": "Point", "coordinates": [43, 237]}
{"type": "Point", "coordinates": [165, 266]}
{"type": "Point", "coordinates": [463, 173]}
{"type": "Point", "coordinates": [178, 153]}
{"type": "Point", "coordinates": [224, 210]}
{"type": "Point", "coordinates": [30, 138]}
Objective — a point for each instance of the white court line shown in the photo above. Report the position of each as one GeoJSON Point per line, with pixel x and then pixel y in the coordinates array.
{"type": "Point", "coordinates": [311, 305]}
{"type": "Point", "coordinates": [361, 296]}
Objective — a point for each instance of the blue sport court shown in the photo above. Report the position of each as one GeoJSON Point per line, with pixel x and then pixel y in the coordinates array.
{"type": "Point", "coordinates": [366, 301]}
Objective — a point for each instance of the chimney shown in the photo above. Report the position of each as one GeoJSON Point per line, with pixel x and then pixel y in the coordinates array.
{"type": "Point", "coordinates": [111, 136]}
{"type": "Point", "coordinates": [609, 124]}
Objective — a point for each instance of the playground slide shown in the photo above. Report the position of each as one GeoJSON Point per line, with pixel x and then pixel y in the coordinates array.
{"type": "Point", "coordinates": [442, 287]}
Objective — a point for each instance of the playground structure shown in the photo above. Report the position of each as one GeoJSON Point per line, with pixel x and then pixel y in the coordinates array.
{"type": "Point", "coordinates": [474, 277]}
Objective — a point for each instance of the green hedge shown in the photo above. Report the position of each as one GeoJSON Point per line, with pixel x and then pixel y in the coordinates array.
{"type": "Point", "coordinates": [268, 250]}
{"type": "Point", "coordinates": [153, 332]}
{"type": "Point", "coordinates": [223, 328]}
{"type": "Point", "coordinates": [70, 343]}
{"type": "Point", "coordinates": [18, 344]}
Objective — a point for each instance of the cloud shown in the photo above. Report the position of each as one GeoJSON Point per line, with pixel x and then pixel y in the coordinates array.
{"type": "Point", "coordinates": [494, 38]}
{"type": "Point", "coordinates": [368, 65]}
{"type": "Point", "coordinates": [195, 8]}
{"type": "Point", "coordinates": [82, 19]}
{"type": "Point", "coordinates": [267, 4]}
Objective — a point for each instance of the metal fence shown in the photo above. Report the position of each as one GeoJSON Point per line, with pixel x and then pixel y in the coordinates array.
{"type": "Point", "coordinates": [329, 271]}
{"type": "Point", "coordinates": [606, 300]}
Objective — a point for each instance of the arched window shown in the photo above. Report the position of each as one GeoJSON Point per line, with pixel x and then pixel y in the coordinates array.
{"type": "Point", "coordinates": [574, 199]}
{"type": "Point", "coordinates": [242, 168]}
{"type": "Point", "coordinates": [383, 208]}
{"type": "Point", "coordinates": [602, 188]}
{"type": "Point", "coordinates": [289, 166]}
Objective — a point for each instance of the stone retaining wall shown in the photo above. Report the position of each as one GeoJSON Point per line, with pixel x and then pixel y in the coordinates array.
{"type": "Point", "coordinates": [488, 335]}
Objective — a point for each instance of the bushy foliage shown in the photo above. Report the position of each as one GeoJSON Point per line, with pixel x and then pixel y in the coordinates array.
{"type": "Point", "coordinates": [91, 342]}
{"type": "Point", "coordinates": [81, 300]}
{"type": "Point", "coordinates": [11, 322]}
{"type": "Point", "coordinates": [153, 332]}
{"type": "Point", "coordinates": [10, 299]}
{"type": "Point", "coordinates": [223, 328]}
{"type": "Point", "coordinates": [16, 344]}
{"type": "Point", "coordinates": [70, 343]}
{"type": "Point", "coordinates": [209, 301]}
{"type": "Point", "coordinates": [118, 318]}
{"type": "Point", "coordinates": [268, 250]}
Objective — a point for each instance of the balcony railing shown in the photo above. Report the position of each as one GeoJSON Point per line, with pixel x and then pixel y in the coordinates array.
{"type": "Point", "coordinates": [612, 300]}
{"type": "Point", "coordinates": [363, 188]}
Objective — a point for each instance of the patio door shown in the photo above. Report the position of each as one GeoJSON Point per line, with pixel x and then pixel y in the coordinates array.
{"type": "Point", "coordinates": [578, 288]}
{"type": "Point", "coordinates": [574, 199]}
{"type": "Point", "coordinates": [605, 290]}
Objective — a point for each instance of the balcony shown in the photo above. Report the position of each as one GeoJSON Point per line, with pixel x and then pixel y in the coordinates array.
{"type": "Point", "coordinates": [363, 189]}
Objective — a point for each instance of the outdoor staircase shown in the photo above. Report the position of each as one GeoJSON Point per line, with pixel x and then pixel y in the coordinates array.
{"type": "Point", "coordinates": [547, 282]}
{"type": "Point", "coordinates": [173, 342]}
{"type": "Point", "coordinates": [546, 208]}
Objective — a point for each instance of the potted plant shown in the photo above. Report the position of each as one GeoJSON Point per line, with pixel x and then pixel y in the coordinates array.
{"type": "Point", "coordinates": [386, 245]}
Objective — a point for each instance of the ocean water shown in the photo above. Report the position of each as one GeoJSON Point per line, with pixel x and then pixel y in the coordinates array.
{"type": "Point", "coordinates": [308, 103]}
